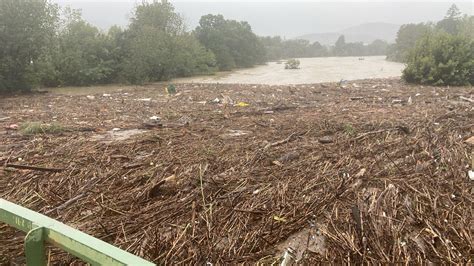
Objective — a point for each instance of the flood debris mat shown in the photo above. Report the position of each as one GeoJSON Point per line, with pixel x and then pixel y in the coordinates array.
{"type": "Point", "coordinates": [375, 171]}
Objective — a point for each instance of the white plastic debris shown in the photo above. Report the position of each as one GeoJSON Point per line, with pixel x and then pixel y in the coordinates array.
{"type": "Point", "coordinates": [235, 133]}
{"type": "Point", "coordinates": [156, 118]}
{"type": "Point", "coordinates": [226, 100]}
{"type": "Point", "coordinates": [116, 129]}
{"type": "Point", "coordinates": [106, 95]}
{"type": "Point", "coordinates": [471, 175]}
{"type": "Point", "coordinates": [216, 100]}
{"type": "Point", "coordinates": [145, 100]}
{"type": "Point", "coordinates": [288, 257]}
{"type": "Point", "coordinates": [90, 97]}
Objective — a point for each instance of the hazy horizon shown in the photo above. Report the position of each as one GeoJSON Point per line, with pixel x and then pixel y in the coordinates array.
{"type": "Point", "coordinates": [287, 19]}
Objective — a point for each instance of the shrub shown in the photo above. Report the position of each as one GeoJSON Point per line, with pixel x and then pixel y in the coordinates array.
{"type": "Point", "coordinates": [292, 64]}
{"type": "Point", "coordinates": [441, 59]}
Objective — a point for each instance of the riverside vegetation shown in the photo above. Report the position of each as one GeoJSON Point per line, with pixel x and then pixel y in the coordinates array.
{"type": "Point", "coordinates": [42, 45]}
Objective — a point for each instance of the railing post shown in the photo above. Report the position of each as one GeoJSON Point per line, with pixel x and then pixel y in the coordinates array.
{"type": "Point", "coordinates": [34, 247]}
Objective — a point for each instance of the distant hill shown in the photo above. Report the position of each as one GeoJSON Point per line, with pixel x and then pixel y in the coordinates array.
{"type": "Point", "coordinates": [366, 33]}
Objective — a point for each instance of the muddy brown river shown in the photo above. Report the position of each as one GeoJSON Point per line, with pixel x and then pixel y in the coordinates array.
{"type": "Point", "coordinates": [312, 70]}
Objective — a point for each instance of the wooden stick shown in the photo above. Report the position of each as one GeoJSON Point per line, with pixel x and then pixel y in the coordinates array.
{"type": "Point", "coordinates": [269, 145]}
{"type": "Point", "coordinates": [371, 133]}
{"type": "Point", "coordinates": [36, 168]}
{"type": "Point", "coordinates": [466, 99]}
{"type": "Point", "coordinates": [70, 201]}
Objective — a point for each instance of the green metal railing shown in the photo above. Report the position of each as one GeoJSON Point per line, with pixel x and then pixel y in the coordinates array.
{"type": "Point", "coordinates": [41, 229]}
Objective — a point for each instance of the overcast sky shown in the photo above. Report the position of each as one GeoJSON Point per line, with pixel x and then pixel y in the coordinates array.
{"type": "Point", "coordinates": [285, 18]}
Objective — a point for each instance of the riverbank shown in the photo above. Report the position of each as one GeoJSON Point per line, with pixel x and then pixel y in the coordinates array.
{"type": "Point", "coordinates": [371, 171]}
{"type": "Point", "coordinates": [313, 70]}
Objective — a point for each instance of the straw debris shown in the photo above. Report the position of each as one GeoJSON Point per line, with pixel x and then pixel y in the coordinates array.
{"type": "Point", "coordinates": [389, 188]}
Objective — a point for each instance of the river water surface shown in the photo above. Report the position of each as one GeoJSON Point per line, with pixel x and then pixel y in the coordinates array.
{"type": "Point", "coordinates": [312, 70]}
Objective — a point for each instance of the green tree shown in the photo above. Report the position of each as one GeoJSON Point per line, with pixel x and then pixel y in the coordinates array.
{"type": "Point", "coordinates": [158, 48]}
{"type": "Point", "coordinates": [440, 58]}
{"type": "Point", "coordinates": [233, 42]}
{"type": "Point", "coordinates": [453, 12]}
{"type": "Point", "coordinates": [340, 46]}
{"type": "Point", "coordinates": [466, 26]}
{"type": "Point", "coordinates": [451, 21]}
{"type": "Point", "coordinates": [273, 47]}
{"type": "Point", "coordinates": [377, 47]}
{"type": "Point", "coordinates": [296, 48]}
{"type": "Point", "coordinates": [211, 32]}
{"type": "Point", "coordinates": [318, 50]}
{"type": "Point", "coordinates": [26, 30]}
{"type": "Point", "coordinates": [115, 45]}
{"type": "Point", "coordinates": [355, 49]}
{"type": "Point", "coordinates": [192, 57]}
{"type": "Point", "coordinates": [407, 37]}
{"type": "Point", "coordinates": [277, 48]}
{"type": "Point", "coordinates": [85, 54]}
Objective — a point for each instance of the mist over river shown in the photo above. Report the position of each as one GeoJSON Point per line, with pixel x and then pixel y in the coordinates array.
{"type": "Point", "coordinates": [312, 70]}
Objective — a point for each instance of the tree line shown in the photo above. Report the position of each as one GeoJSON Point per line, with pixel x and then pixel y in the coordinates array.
{"type": "Point", "coordinates": [278, 48]}
{"type": "Point", "coordinates": [44, 45]}
{"type": "Point", "coordinates": [439, 53]}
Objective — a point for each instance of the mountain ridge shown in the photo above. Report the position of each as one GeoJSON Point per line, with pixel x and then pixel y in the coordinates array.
{"type": "Point", "coordinates": [366, 33]}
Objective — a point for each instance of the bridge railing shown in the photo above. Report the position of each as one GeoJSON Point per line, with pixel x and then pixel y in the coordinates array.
{"type": "Point", "coordinates": [41, 229]}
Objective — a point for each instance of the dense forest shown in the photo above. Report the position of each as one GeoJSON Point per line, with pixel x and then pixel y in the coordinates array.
{"type": "Point", "coordinates": [43, 45]}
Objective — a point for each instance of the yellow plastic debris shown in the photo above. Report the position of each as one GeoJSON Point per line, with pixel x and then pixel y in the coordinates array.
{"type": "Point", "coordinates": [242, 104]}
{"type": "Point", "coordinates": [280, 219]}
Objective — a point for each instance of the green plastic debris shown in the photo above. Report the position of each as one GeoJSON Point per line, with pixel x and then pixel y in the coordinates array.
{"type": "Point", "coordinates": [171, 89]}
